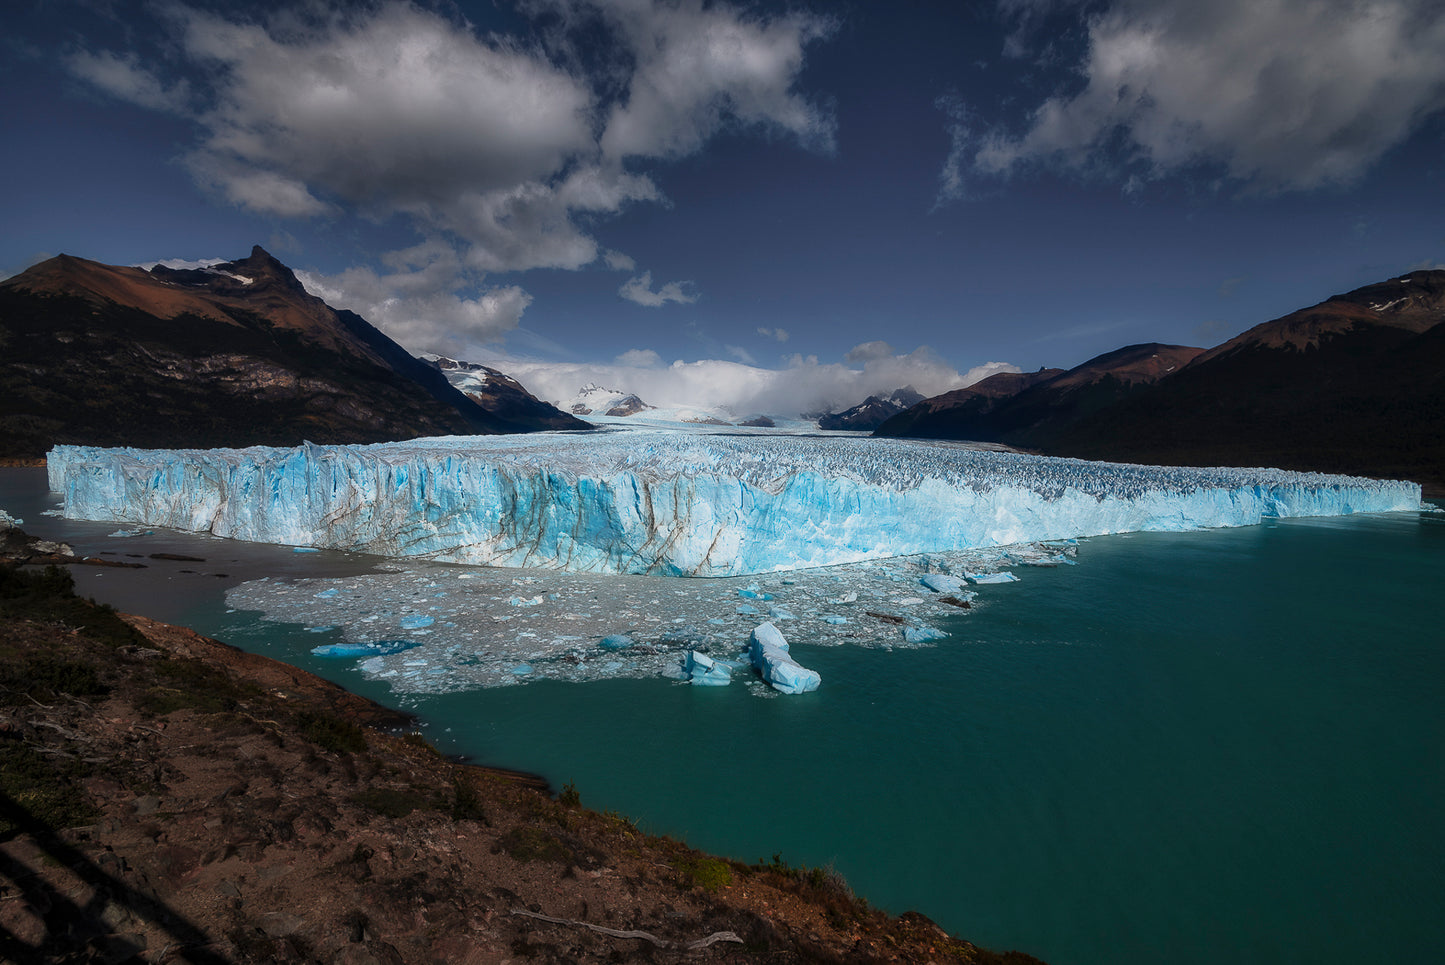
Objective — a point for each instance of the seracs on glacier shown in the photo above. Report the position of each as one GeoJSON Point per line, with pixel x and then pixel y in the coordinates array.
{"type": "Point", "coordinates": [673, 504]}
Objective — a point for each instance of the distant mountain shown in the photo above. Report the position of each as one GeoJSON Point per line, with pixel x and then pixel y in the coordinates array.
{"type": "Point", "coordinates": [232, 355]}
{"type": "Point", "coordinates": [872, 412]}
{"type": "Point", "coordinates": [502, 395]}
{"type": "Point", "coordinates": [593, 399]}
{"type": "Point", "coordinates": [1355, 384]}
{"type": "Point", "coordinates": [1036, 409]}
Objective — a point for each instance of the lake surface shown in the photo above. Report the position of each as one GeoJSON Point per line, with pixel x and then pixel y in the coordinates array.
{"type": "Point", "coordinates": [1198, 747]}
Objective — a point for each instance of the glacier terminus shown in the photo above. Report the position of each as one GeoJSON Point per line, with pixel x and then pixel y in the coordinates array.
{"type": "Point", "coordinates": [669, 503]}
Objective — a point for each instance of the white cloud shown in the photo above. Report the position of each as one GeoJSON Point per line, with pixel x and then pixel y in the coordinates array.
{"type": "Point", "coordinates": [639, 289]}
{"type": "Point", "coordinates": [122, 76]}
{"type": "Point", "coordinates": [741, 354]}
{"type": "Point", "coordinates": [869, 351]}
{"type": "Point", "coordinates": [417, 303]}
{"type": "Point", "coordinates": [639, 358]}
{"type": "Point", "coordinates": [804, 386]}
{"type": "Point", "coordinates": [1278, 94]}
{"type": "Point", "coordinates": [618, 261]}
{"type": "Point", "coordinates": [505, 152]}
{"type": "Point", "coordinates": [781, 334]}
{"type": "Point", "coordinates": [699, 68]}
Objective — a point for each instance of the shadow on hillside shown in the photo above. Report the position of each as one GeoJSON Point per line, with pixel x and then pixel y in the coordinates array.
{"type": "Point", "coordinates": [81, 904]}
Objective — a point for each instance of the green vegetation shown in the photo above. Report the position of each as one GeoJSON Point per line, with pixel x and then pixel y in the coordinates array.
{"type": "Point", "coordinates": [331, 733]}
{"type": "Point", "coordinates": [569, 796]}
{"type": "Point", "coordinates": [709, 874]}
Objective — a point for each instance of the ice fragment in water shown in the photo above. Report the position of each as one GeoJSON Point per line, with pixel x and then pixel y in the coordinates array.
{"type": "Point", "coordinates": [617, 641]}
{"type": "Point", "coordinates": [834, 619]}
{"type": "Point", "coordinates": [769, 652]}
{"type": "Point", "coordinates": [416, 621]}
{"type": "Point", "coordinates": [992, 577]}
{"type": "Point", "coordinates": [377, 649]}
{"type": "Point", "coordinates": [703, 671]}
{"type": "Point", "coordinates": [941, 582]}
{"type": "Point", "coordinates": [923, 634]}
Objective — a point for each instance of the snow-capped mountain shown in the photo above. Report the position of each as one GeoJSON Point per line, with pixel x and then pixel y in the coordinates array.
{"type": "Point", "coordinates": [872, 412]}
{"type": "Point", "coordinates": [593, 399]}
{"type": "Point", "coordinates": [498, 392]}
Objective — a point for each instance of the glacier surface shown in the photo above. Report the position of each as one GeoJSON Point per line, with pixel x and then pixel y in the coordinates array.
{"type": "Point", "coordinates": [673, 504]}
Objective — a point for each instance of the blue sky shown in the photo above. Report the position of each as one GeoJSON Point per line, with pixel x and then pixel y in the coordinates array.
{"type": "Point", "coordinates": [771, 206]}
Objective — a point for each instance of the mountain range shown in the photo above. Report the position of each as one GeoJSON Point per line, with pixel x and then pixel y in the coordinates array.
{"type": "Point", "coordinates": [235, 354]}
{"type": "Point", "coordinates": [1355, 384]}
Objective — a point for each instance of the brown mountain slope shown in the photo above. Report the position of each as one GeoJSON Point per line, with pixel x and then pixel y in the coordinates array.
{"type": "Point", "coordinates": [1355, 384]}
{"type": "Point", "coordinates": [1047, 402]}
{"type": "Point", "coordinates": [233, 355]}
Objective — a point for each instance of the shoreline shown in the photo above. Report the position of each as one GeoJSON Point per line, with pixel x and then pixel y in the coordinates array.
{"type": "Point", "coordinates": [227, 806]}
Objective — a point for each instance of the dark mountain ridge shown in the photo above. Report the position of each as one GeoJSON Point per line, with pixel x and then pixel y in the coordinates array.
{"type": "Point", "coordinates": [872, 411]}
{"type": "Point", "coordinates": [1034, 409]}
{"type": "Point", "coordinates": [1355, 384]}
{"type": "Point", "coordinates": [235, 354]}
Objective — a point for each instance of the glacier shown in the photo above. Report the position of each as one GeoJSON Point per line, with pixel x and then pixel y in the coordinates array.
{"type": "Point", "coordinates": [675, 504]}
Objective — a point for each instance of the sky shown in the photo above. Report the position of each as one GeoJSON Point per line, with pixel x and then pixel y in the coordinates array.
{"type": "Point", "coordinates": [774, 207]}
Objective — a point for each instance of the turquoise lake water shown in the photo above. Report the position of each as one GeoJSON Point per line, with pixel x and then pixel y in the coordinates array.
{"type": "Point", "coordinates": [1199, 747]}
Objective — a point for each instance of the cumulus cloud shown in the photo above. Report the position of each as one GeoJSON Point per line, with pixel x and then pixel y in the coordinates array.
{"type": "Point", "coordinates": [618, 261]}
{"type": "Point", "coordinates": [506, 150]}
{"type": "Point", "coordinates": [639, 358]}
{"type": "Point", "coordinates": [701, 67]}
{"type": "Point", "coordinates": [781, 334]}
{"type": "Point", "coordinates": [804, 386]}
{"type": "Point", "coordinates": [639, 289]}
{"type": "Point", "coordinates": [1278, 95]}
{"type": "Point", "coordinates": [417, 301]}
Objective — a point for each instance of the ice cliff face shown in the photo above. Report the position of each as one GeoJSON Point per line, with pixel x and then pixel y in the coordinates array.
{"type": "Point", "coordinates": [673, 504]}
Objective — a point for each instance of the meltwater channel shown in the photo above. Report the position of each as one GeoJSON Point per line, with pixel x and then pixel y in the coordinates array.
{"type": "Point", "coordinates": [1189, 748]}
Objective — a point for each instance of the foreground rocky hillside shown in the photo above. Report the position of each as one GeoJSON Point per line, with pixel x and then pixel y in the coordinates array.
{"type": "Point", "coordinates": [236, 354]}
{"type": "Point", "coordinates": [167, 798]}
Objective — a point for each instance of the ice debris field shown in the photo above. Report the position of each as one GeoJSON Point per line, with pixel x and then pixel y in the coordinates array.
{"type": "Point", "coordinates": [432, 627]}
{"type": "Point", "coordinates": [574, 527]}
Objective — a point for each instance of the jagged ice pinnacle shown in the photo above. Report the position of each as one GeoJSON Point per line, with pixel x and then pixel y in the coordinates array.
{"type": "Point", "coordinates": [668, 503]}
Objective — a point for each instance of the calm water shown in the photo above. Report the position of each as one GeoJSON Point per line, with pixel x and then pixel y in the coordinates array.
{"type": "Point", "coordinates": [1205, 747]}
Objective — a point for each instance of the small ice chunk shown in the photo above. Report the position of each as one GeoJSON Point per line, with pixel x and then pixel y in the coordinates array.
{"type": "Point", "coordinates": [941, 582]}
{"type": "Point", "coordinates": [769, 651]}
{"type": "Point", "coordinates": [982, 578]}
{"type": "Point", "coordinates": [834, 619]}
{"type": "Point", "coordinates": [747, 610]}
{"type": "Point", "coordinates": [525, 601]}
{"type": "Point", "coordinates": [321, 629]}
{"type": "Point", "coordinates": [327, 594]}
{"type": "Point", "coordinates": [377, 648]}
{"type": "Point", "coordinates": [522, 669]}
{"type": "Point", "coordinates": [923, 634]}
{"type": "Point", "coordinates": [704, 671]}
{"type": "Point", "coordinates": [617, 641]}
{"type": "Point", "coordinates": [416, 621]}
{"type": "Point", "coordinates": [780, 613]}
{"type": "Point", "coordinates": [304, 549]}
{"type": "Point", "coordinates": [850, 597]}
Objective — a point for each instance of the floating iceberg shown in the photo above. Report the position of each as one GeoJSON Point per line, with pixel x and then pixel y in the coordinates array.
{"type": "Point", "coordinates": [703, 671]}
{"type": "Point", "coordinates": [670, 504]}
{"type": "Point", "coordinates": [377, 649]}
{"type": "Point", "coordinates": [769, 652]}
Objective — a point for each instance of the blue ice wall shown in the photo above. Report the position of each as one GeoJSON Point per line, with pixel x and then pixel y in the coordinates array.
{"type": "Point", "coordinates": [675, 504]}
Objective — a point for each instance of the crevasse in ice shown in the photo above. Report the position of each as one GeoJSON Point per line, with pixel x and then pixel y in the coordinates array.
{"type": "Point", "coordinates": [665, 503]}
